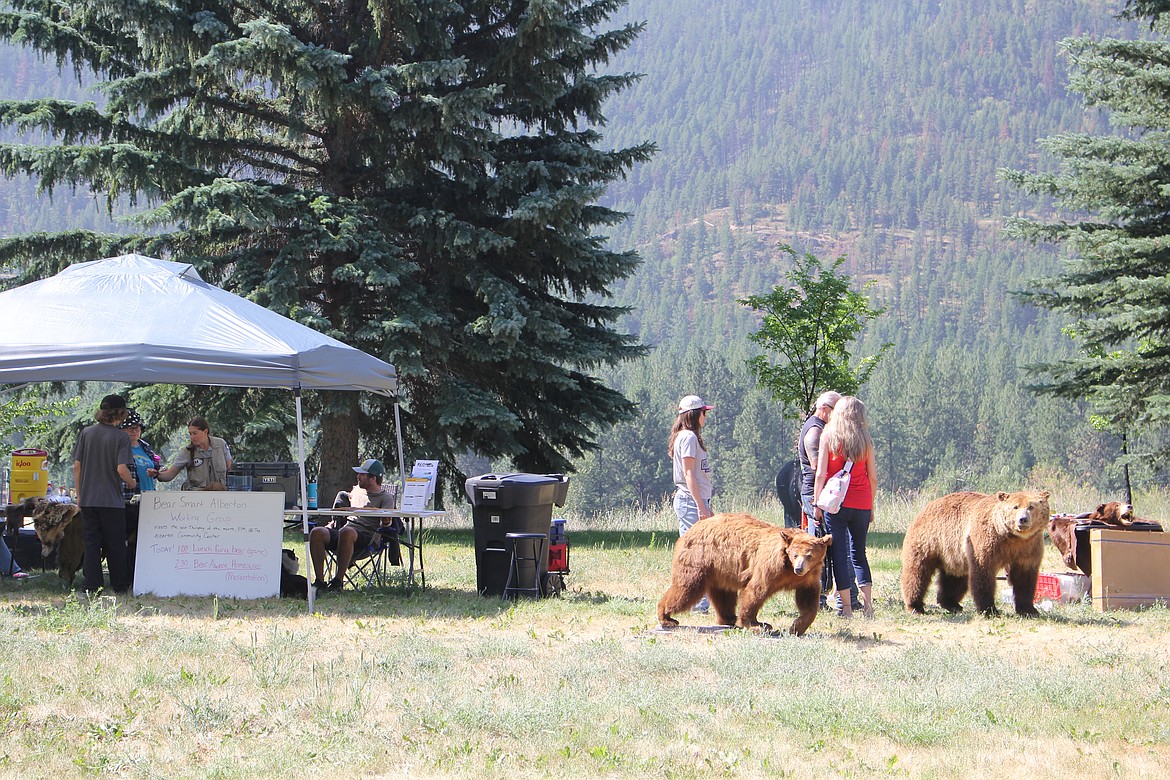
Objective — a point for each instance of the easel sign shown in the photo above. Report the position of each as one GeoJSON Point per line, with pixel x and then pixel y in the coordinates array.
{"type": "Point", "coordinates": [203, 543]}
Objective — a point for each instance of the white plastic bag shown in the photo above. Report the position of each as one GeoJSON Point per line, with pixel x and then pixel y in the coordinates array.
{"type": "Point", "coordinates": [833, 493]}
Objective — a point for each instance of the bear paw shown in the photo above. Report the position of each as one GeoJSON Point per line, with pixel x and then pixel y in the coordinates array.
{"type": "Point", "coordinates": [759, 627]}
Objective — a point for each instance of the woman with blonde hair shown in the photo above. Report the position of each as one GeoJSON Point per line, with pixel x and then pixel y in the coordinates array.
{"type": "Point", "coordinates": [845, 439]}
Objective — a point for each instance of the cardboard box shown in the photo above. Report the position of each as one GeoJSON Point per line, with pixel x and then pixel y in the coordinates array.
{"type": "Point", "coordinates": [1130, 570]}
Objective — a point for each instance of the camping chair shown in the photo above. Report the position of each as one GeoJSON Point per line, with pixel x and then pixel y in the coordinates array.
{"type": "Point", "coordinates": [370, 566]}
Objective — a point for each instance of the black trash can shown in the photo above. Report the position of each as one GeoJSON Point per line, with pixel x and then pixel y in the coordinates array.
{"type": "Point", "coordinates": [510, 503]}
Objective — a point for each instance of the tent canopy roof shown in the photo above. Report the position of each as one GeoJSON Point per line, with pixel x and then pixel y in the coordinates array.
{"type": "Point", "coordinates": [140, 319]}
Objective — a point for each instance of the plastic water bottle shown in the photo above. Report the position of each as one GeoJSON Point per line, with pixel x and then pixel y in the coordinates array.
{"type": "Point", "coordinates": [312, 490]}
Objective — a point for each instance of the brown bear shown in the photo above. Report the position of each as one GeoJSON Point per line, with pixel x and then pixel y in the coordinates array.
{"type": "Point", "coordinates": [968, 538]}
{"type": "Point", "coordinates": [740, 561]}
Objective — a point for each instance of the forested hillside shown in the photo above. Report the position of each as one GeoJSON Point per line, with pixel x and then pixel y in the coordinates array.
{"type": "Point", "coordinates": [872, 130]}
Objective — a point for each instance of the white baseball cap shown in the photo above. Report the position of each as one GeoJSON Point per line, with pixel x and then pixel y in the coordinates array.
{"type": "Point", "coordinates": [690, 403]}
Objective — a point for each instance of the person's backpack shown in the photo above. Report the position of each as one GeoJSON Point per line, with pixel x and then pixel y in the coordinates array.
{"type": "Point", "coordinates": [833, 493]}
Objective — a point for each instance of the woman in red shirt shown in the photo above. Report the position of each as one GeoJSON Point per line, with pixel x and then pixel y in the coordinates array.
{"type": "Point", "coordinates": [846, 437]}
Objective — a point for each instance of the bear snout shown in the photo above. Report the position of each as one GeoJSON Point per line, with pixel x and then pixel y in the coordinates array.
{"type": "Point", "coordinates": [1023, 520]}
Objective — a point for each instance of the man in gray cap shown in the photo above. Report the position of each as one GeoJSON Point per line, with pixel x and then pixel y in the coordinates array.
{"type": "Point", "coordinates": [99, 469]}
{"type": "Point", "coordinates": [356, 532]}
{"type": "Point", "coordinates": [808, 450]}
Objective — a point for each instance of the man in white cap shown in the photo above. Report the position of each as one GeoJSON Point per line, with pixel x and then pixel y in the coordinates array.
{"type": "Point", "coordinates": [356, 533]}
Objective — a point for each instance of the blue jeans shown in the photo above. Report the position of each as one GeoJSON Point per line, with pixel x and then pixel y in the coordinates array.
{"type": "Point", "coordinates": [688, 514]}
{"type": "Point", "coordinates": [7, 564]}
{"type": "Point", "coordinates": [849, 528]}
{"type": "Point", "coordinates": [687, 511]}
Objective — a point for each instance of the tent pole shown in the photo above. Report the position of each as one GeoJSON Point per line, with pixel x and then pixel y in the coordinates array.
{"type": "Point", "coordinates": [401, 460]}
{"type": "Point", "coordinates": [304, 502]}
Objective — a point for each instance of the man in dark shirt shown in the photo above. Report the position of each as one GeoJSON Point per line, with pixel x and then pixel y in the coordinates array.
{"type": "Point", "coordinates": [99, 469]}
{"type": "Point", "coordinates": [356, 532]}
{"type": "Point", "coordinates": [808, 450]}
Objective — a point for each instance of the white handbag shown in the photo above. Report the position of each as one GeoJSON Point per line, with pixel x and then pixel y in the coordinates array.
{"type": "Point", "coordinates": [833, 493]}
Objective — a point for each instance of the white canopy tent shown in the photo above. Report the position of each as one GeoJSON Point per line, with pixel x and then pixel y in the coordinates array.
{"type": "Point", "coordinates": [143, 320]}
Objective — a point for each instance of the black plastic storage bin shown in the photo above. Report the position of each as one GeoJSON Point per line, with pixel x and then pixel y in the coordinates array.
{"type": "Point", "coordinates": [503, 504]}
{"type": "Point", "coordinates": [273, 477]}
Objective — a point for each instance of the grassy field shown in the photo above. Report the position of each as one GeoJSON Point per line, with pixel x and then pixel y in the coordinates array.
{"type": "Point", "coordinates": [445, 683]}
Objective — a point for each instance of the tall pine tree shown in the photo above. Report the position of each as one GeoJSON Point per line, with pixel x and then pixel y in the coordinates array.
{"type": "Point", "coordinates": [414, 177]}
{"type": "Point", "coordinates": [1116, 282]}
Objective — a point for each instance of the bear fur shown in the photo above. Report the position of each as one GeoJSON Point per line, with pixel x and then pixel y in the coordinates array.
{"type": "Point", "coordinates": [14, 515]}
{"type": "Point", "coordinates": [739, 562]}
{"type": "Point", "coordinates": [292, 584]}
{"type": "Point", "coordinates": [58, 526]}
{"type": "Point", "coordinates": [968, 538]}
{"type": "Point", "coordinates": [1116, 513]}
{"type": "Point", "coordinates": [1062, 531]}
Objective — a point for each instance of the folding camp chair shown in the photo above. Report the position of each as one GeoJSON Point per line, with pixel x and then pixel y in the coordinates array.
{"type": "Point", "coordinates": [370, 566]}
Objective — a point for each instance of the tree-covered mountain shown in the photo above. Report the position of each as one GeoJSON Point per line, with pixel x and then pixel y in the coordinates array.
{"type": "Point", "coordinates": [872, 130]}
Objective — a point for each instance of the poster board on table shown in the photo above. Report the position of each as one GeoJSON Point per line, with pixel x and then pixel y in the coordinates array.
{"type": "Point", "coordinates": [206, 543]}
{"type": "Point", "coordinates": [419, 490]}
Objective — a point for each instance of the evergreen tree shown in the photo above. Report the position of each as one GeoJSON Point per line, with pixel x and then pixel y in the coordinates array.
{"type": "Point", "coordinates": [416, 178]}
{"type": "Point", "coordinates": [1117, 280]}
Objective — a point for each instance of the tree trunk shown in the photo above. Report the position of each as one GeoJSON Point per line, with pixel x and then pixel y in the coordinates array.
{"type": "Point", "coordinates": [339, 445]}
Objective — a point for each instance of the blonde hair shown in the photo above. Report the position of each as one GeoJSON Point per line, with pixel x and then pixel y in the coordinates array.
{"type": "Point", "coordinates": [847, 431]}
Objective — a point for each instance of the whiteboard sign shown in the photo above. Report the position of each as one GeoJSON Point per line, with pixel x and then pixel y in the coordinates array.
{"type": "Point", "coordinates": [204, 543]}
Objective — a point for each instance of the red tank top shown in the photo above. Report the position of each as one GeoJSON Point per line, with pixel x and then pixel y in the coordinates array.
{"type": "Point", "coordinates": [860, 492]}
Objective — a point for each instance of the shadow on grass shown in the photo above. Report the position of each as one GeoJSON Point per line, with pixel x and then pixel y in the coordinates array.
{"type": "Point", "coordinates": [1080, 615]}
{"type": "Point", "coordinates": [617, 540]}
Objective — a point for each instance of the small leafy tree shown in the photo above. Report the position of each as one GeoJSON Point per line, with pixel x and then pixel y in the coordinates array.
{"type": "Point", "coordinates": [809, 324]}
{"type": "Point", "coordinates": [30, 418]}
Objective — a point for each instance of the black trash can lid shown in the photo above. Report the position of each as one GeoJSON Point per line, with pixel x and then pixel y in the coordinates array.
{"type": "Point", "coordinates": [528, 479]}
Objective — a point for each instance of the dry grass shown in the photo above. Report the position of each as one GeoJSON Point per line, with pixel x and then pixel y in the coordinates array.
{"type": "Point", "coordinates": [448, 684]}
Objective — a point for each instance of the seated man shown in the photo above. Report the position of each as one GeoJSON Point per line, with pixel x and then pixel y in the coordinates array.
{"type": "Point", "coordinates": [353, 533]}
